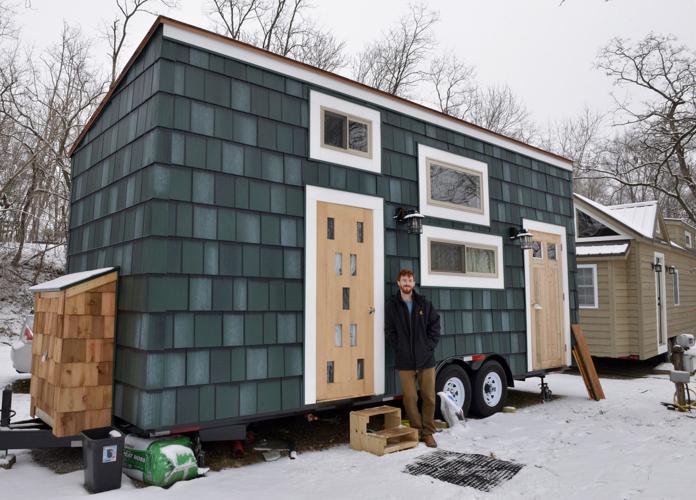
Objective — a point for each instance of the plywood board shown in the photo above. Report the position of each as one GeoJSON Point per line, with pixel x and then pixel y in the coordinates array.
{"type": "Point", "coordinates": [581, 353]}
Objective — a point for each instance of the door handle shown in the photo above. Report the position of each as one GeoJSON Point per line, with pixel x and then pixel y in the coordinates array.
{"type": "Point", "coordinates": [371, 310]}
{"type": "Point", "coordinates": [537, 306]}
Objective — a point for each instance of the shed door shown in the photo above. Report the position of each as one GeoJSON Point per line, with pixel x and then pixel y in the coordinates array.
{"type": "Point", "coordinates": [345, 302]}
{"type": "Point", "coordinates": [545, 263]}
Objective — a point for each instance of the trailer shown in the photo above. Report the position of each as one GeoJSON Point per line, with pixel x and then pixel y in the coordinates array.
{"type": "Point", "coordinates": [259, 209]}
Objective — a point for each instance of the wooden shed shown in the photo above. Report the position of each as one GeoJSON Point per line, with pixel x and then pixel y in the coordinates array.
{"type": "Point", "coordinates": [636, 278]}
{"type": "Point", "coordinates": [249, 203]}
{"type": "Point", "coordinates": [73, 349]}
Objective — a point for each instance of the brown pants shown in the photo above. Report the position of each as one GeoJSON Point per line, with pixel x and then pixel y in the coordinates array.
{"type": "Point", "coordinates": [425, 423]}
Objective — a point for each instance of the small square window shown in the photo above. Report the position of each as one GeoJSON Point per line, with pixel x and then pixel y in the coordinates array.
{"type": "Point", "coordinates": [551, 251]}
{"type": "Point", "coordinates": [537, 250]}
{"type": "Point", "coordinates": [346, 133]}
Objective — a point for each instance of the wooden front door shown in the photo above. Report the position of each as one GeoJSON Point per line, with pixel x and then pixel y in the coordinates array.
{"type": "Point", "coordinates": [345, 302]}
{"type": "Point", "coordinates": [546, 301]}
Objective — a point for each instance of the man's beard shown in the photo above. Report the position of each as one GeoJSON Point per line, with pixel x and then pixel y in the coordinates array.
{"type": "Point", "coordinates": [406, 289]}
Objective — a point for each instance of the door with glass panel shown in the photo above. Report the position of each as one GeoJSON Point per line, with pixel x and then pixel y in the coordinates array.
{"type": "Point", "coordinates": [546, 301]}
{"type": "Point", "coordinates": [345, 302]}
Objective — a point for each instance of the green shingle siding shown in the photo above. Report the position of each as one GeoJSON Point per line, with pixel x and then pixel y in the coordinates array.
{"type": "Point", "coordinates": [192, 181]}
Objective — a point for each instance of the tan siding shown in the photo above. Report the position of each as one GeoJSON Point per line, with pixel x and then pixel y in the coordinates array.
{"type": "Point", "coordinates": [596, 323]}
{"type": "Point", "coordinates": [681, 318]}
{"type": "Point", "coordinates": [626, 326]}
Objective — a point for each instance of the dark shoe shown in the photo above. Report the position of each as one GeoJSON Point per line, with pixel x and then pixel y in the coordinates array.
{"type": "Point", "coordinates": [430, 441]}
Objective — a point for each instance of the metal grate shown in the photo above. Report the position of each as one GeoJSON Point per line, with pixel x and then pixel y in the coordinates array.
{"type": "Point", "coordinates": [476, 471]}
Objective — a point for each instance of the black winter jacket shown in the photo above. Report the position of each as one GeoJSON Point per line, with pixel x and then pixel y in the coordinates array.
{"type": "Point", "coordinates": [414, 339]}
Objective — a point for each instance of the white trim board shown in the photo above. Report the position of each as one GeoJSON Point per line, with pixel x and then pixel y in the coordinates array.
{"type": "Point", "coordinates": [314, 194]}
{"type": "Point", "coordinates": [307, 74]}
{"type": "Point", "coordinates": [532, 225]}
{"type": "Point", "coordinates": [463, 281]}
{"type": "Point", "coordinates": [317, 100]}
{"type": "Point", "coordinates": [426, 153]}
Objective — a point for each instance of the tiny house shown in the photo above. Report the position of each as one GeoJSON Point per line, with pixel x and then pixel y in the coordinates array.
{"type": "Point", "coordinates": [636, 278]}
{"type": "Point", "coordinates": [249, 203]}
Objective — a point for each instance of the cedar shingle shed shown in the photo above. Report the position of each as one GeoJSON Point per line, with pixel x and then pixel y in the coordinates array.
{"type": "Point", "coordinates": [248, 201]}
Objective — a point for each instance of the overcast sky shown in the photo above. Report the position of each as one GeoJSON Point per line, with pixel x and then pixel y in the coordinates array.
{"type": "Point", "coordinates": [543, 50]}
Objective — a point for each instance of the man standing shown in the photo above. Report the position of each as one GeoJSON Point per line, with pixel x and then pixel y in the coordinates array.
{"type": "Point", "coordinates": [413, 328]}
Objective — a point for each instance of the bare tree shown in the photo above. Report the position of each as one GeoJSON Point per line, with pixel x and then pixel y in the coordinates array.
{"type": "Point", "coordinates": [394, 63]}
{"type": "Point", "coordinates": [663, 123]}
{"type": "Point", "coordinates": [454, 84]}
{"type": "Point", "coordinates": [497, 108]}
{"type": "Point", "coordinates": [45, 107]}
{"type": "Point", "coordinates": [116, 31]}
{"type": "Point", "coordinates": [280, 26]}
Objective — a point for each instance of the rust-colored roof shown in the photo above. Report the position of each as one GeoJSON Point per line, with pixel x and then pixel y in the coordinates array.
{"type": "Point", "coordinates": [161, 20]}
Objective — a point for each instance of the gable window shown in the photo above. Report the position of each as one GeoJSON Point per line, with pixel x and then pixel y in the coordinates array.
{"type": "Point", "coordinates": [688, 239]}
{"type": "Point", "coordinates": [452, 186]}
{"type": "Point", "coordinates": [589, 227]}
{"type": "Point", "coordinates": [586, 284]}
{"type": "Point", "coordinates": [675, 287]}
{"type": "Point", "coordinates": [343, 132]}
{"type": "Point", "coordinates": [462, 259]}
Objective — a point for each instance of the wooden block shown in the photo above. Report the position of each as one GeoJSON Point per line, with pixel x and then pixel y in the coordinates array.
{"type": "Point", "coordinates": [81, 374]}
{"type": "Point", "coordinates": [83, 327]}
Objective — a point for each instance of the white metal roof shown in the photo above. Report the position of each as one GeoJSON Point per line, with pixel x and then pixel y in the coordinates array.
{"type": "Point", "coordinates": [585, 250]}
{"type": "Point", "coordinates": [640, 217]}
{"type": "Point", "coordinates": [69, 280]}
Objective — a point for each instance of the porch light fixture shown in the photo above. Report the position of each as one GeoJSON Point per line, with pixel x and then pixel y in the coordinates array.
{"type": "Point", "coordinates": [411, 217]}
{"type": "Point", "coordinates": [657, 268]}
{"type": "Point", "coordinates": [525, 237]}
{"type": "Point", "coordinates": [671, 269]}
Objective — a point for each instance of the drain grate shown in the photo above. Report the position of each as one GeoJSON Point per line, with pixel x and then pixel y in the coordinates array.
{"type": "Point", "coordinates": [463, 469]}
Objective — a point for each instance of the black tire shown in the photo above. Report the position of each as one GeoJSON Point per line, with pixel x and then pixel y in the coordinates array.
{"type": "Point", "coordinates": [461, 380]}
{"type": "Point", "coordinates": [489, 389]}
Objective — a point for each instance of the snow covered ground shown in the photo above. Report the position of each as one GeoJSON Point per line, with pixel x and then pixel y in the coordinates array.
{"type": "Point", "coordinates": [627, 446]}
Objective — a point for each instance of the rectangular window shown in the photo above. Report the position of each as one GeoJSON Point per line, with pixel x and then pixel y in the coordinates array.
{"type": "Point", "coordinates": [330, 372]}
{"type": "Point", "coordinates": [463, 259]}
{"type": "Point", "coordinates": [353, 264]}
{"type": "Point", "coordinates": [330, 228]}
{"type": "Point", "coordinates": [345, 132]}
{"type": "Point", "coordinates": [361, 369]}
{"type": "Point", "coordinates": [452, 186]}
{"type": "Point", "coordinates": [446, 257]}
{"type": "Point", "coordinates": [360, 232]}
{"type": "Point", "coordinates": [339, 335]}
{"type": "Point", "coordinates": [346, 299]}
{"type": "Point", "coordinates": [675, 286]}
{"type": "Point", "coordinates": [586, 282]}
{"type": "Point", "coordinates": [339, 264]}
{"type": "Point", "coordinates": [689, 239]}
{"type": "Point", "coordinates": [551, 251]}
{"type": "Point", "coordinates": [353, 335]}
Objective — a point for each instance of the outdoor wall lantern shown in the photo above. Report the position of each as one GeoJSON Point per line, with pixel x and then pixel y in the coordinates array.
{"type": "Point", "coordinates": [525, 237]}
{"type": "Point", "coordinates": [671, 269]}
{"type": "Point", "coordinates": [657, 268]}
{"type": "Point", "coordinates": [411, 217]}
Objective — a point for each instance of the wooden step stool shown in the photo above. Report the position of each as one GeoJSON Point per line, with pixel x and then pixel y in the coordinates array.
{"type": "Point", "coordinates": [394, 436]}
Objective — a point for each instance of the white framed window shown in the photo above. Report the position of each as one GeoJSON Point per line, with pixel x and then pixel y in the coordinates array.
{"type": "Point", "coordinates": [586, 285]}
{"type": "Point", "coordinates": [461, 259]}
{"type": "Point", "coordinates": [675, 287]}
{"type": "Point", "coordinates": [344, 133]}
{"type": "Point", "coordinates": [452, 186]}
{"type": "Point", "coordinates": [688, 238]}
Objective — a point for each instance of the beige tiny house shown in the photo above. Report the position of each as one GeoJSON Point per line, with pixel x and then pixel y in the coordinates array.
{"type": "Point", "coordinates": [636, 280]}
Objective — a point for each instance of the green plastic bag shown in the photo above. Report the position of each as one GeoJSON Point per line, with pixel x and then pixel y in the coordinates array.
{"type": "Point", "coordinates": [160, 462]}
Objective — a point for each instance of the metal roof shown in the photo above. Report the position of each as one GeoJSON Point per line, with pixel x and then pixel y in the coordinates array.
{"type": "Point", "coordinates": [640, 217]}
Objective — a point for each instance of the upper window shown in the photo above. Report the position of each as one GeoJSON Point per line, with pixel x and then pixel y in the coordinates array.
{"type": "Point", "coordinates": [688, 239]}
{"type": "Point", "coordinates": [344, 133]}
{"type": "Point", "coordinates": [454, 258]}
{"type": "Point", "coordinates": [586, 283]}
{"type": "Point", "coordinates": [589, 227]}
{"type": "Point", "coordinates": [452, 186]}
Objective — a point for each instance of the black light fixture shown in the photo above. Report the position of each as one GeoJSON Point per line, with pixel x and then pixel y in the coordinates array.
{"type": "Point", "coordinates": [411, 217]}
{"type": "Point", "coordinates": [671, 269]}
{"type": "Point", "coordinates": [525, 237]}
{"type": "Point", "coordinates": [657, 267]}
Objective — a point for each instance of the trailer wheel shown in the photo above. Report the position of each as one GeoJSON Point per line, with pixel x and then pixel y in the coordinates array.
{"type": "Point", "coordinates": [454, 380]}
{"type": "Point", "coordinates": [490, 389]}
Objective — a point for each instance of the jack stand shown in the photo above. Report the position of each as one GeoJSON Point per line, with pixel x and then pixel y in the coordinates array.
{"type": "Point", "coordinates": [7, 460]}
{"type": "Point", "coordinates": [546, 394]}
